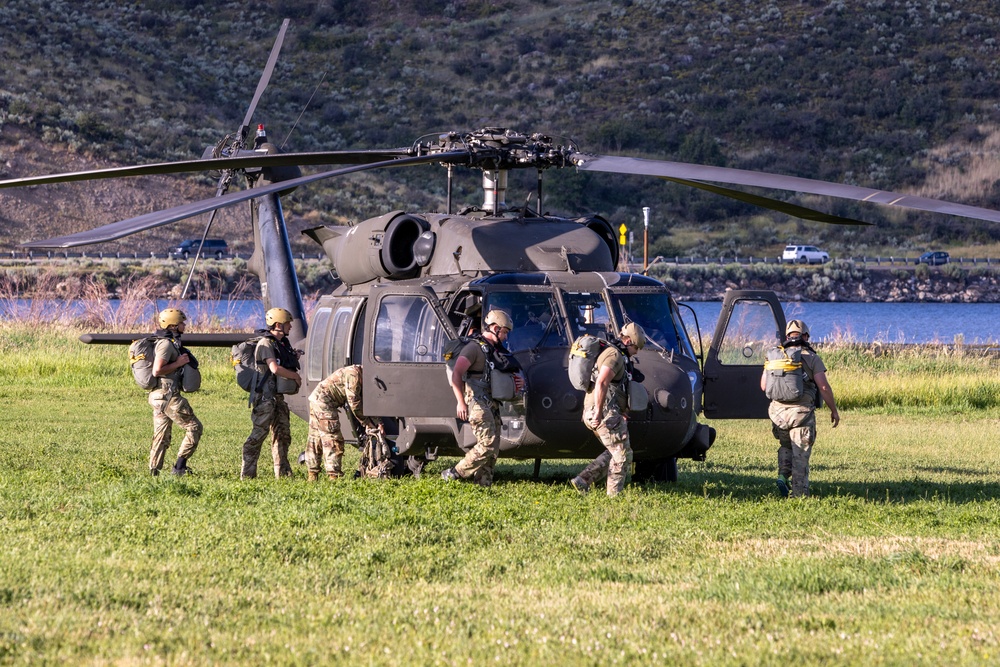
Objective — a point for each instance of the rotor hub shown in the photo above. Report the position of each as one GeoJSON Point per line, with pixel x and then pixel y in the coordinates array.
{"type": "Point", "coordinates": [498, 148]}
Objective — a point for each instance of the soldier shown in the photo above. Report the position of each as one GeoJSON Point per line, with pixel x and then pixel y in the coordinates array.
{"type": "Point", "coordinates": [275, 359]}
{"type": "Point", "coordinates": [471, 383]}
{"type": "Point", "coordinates": [341, 389]}
{"type": "Point", "coordinates": [169, 406]}
{"type": "Point", "coordinates": [604, 409]}
{"type": "Point", "coordinates": [794, 421]}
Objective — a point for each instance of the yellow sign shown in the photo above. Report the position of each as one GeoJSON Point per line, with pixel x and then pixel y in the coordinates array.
{"type": "Point", "coordinates": [622, 230]}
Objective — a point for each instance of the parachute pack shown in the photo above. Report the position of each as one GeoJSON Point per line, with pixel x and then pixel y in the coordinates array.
{"type": "Point", "coordinates": [452, 349]}
{"type": "Point", "coordinates": [500, 366]}
{"type": "Point", "coordinates": [140, 357]}
{"type": "Point", "coordinates": [142, 353]}
{"type": "Point", "coordinates": [245, 364]}
{"type": "Point", "coordinates": [784, 378]}
{"type": "Point", "coordinates": [583, 356]}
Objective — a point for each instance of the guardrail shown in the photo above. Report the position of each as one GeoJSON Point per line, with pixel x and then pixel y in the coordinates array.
{"type": "Point", "coordinates": [865, 260]}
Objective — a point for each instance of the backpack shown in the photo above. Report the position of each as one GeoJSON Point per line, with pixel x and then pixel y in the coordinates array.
{"type": "Point", "coordinates": [140, 357]}
{"type": "Point", "coordinates": [244, 363]}
{"type": "Point", "coordinates": [452, 349]}
{"type": "Point", "coordinates": [784, 377]}
{"type": "Point", "coordinates": [377, 457]}
{"type": "Point", "coordinates": [501, 382]}
{"type": "Point", "coordinates": [583, 356]}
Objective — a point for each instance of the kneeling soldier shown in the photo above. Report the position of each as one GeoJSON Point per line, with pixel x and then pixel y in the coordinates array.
{"type": "Point", "coordinates": [341, 389]}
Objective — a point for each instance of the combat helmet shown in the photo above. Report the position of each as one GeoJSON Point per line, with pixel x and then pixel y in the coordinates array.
{"type": "Point", "coordinates": [169, 317]}
{"type": "Point", "coordinates": [499, 317]}
{"type": "Point", "coordinates": [796, 329]}
{"type": "Point", "coordinates": [635, 334]}
{"type": "Point", "coordinates": [277, 316]}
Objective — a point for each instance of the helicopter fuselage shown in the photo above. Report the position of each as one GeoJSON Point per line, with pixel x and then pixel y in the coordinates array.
{"type": "Point", "coordinates": [397, 331]}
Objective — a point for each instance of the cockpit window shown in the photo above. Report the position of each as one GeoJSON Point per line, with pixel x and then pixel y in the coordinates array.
{"type": "Point", "coordinates": [587, 314]}
{"type": "Point", "coordinates": [653, 313]}
{"type": "Point", "coordinates": [532, 313]}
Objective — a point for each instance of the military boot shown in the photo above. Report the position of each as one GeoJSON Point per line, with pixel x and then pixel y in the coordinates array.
{"type": "Point", "coordinates": [312, 476]}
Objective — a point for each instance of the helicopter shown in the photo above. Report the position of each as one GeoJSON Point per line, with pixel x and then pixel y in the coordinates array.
{"type": "Point", "coordinates": [409, 282]}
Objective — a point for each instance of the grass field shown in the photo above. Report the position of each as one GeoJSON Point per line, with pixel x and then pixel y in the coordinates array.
{"type": "Point", "coordinates": [893, 561]}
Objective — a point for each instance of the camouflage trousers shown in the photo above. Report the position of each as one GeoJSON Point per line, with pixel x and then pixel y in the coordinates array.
{"type": "Point", "coordinates": [616, 462]}
{"type": "Point", "coordinates": [794, 426]}
{"type": "Point", "coordinates": [325, 446]}
{"type": "Point", "coordinates": [484, 418]}
{"type": "Point", "coordinates": [170, 409]}
{"type": "Point", "coordinates": [270, 416]}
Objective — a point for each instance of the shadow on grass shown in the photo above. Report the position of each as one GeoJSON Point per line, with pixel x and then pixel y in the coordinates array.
{"type": "Point", "coordinates": [731, 483]}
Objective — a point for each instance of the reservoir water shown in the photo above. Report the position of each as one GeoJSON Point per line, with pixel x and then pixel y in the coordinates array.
{"type": "Point", "coordinates": [969, 323]}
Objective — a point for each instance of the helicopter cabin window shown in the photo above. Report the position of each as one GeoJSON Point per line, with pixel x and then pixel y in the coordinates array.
{"type": "Point", "coordinates": [658, 318]}
{"type": "Point", "coordinates": [339, 337]}
{"type": "Point", "coordinates": [407, 330]}
{"type": "Point", "coordinates": [750, 332]}
{"type": "Point", "coordinates": [533, 321]}
{"type": "Point", "coordinates": [587, 314]}
{"type": "Point", "coordinates": [314, 368]}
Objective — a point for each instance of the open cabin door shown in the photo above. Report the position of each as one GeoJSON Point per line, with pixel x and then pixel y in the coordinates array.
{"type": "Point", "coordinates": [751, 322]}
{"type": "Point", "coordinates": [403, 354]}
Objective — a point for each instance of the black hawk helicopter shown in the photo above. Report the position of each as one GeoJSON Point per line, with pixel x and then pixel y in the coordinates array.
{"type": "Point", "coordinates": [411, 281]}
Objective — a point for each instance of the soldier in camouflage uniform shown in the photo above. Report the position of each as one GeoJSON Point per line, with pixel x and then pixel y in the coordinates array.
{"type": "Point", "coordinates": [604, 409]}
{"type": "Point", "coordinates": [341, 389]}
{"type": "Point", "coordinates": [471, 383]}
{"type": "Point", "coordinates": [169, 406]}
{"type": "Point", "coordinates": [794, 423]}
{"type": "Point", "coordinates": [275, 358]}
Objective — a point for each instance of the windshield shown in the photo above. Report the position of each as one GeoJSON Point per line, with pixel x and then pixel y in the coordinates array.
{"type": "Point", "coordinates": [532, 315]}
{"type": "Point", "coordinates": [661, 322]}
{"type": "Point", "coordinates": [587, 314]}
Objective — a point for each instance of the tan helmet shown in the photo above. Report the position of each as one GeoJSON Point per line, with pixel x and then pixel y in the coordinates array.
{"type": "Point", "coordinates": [277, 316]}
{"type": "Point", "coordinates": [796, 327]}
{"type": "Point", "coordinates": [635, 334]}
{"type": "Point", "coordinates": [169, 317]}
{"type": "Point", "coordinates": [501, 318]}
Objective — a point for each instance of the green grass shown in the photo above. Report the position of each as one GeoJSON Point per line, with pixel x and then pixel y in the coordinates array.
{"type": "Point", "coordinates": [893, 561]}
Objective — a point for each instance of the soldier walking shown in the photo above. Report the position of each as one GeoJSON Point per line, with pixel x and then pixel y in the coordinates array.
{"type": "Point", "coordinates": [470, 380]}
{"type": "Point", "coordinates": [274, 358]}
{"type": "Point", "coordinates": [604, 409]}
{"type": "Point", "coordinates": [169, 406]}
{"type": "Point", "coordinates": [794, 419]}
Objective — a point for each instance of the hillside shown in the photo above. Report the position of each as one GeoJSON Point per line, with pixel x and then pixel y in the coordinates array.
{"type": "Point", "coordinates": [894, 95]}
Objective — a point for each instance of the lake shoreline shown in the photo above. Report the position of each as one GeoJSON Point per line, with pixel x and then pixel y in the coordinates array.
{"type": "Point", "coordinates": [836, 281]}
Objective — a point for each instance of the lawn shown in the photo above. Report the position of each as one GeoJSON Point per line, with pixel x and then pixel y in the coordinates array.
{"type": "Point", "coordinates": [893, 561]}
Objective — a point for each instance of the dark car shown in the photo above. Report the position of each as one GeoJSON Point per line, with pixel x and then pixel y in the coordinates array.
{"type": "Point", "coordinates": [934, 258]}
{"type": "Point", "coordinates": [217, 247]}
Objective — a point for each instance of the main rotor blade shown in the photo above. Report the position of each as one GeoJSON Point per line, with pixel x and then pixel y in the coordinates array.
{"type": "Point", "coordinates": [159, 218]}
{"type": "Point", "coordinates": [214, 164]}
{"type": "Point", "coordinates": [695, 172]}
{"type": "Point", "coordinates": [773, 204]}
{"type": "Point", "coordinates": [264, 79]}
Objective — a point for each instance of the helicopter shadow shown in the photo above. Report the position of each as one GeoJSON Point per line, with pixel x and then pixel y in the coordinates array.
{"type": "Point", "coordinates": [825, 482]}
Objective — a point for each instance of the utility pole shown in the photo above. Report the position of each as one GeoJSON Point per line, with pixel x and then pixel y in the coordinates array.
{"type": "Point", "coordinates": [645, 238]}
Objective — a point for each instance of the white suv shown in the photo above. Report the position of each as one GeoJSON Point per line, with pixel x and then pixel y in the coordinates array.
{"type": "Point", "coordinates": [804, 254]}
